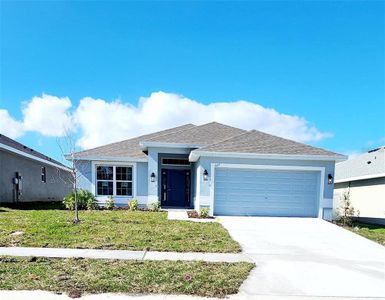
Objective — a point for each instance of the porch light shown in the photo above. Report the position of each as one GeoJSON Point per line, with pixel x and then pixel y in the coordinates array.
{"type": "Point", "coordinates": [205, 175]}
{"type": "Point", "coordinates": [330, 179]}
{"type": "Point", "coordinates": [152, 177]}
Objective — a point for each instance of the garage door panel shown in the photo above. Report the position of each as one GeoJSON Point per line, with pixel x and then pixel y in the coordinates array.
{"type": "Point", "coordinates": [265, 192]}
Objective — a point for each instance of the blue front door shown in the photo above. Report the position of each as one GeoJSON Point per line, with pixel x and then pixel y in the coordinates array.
{"type": "Point", "coordinates": [175, 191]}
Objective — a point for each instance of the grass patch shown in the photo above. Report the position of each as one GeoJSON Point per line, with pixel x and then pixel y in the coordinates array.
{"type": "Point", "coordinates": [105, 229]}
{"type": "Point", "coordinates": [77, 276]}
{"type": "Point", "coordinates": [370, 231]}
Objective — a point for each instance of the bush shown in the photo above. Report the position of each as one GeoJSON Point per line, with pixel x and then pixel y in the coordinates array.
{"type": "Point", "coordinates": [155, 206]}
{"type": "Point", "coordinates": [85, 200]}
{"type": "Point", "coordinates": [204, 213]}
{"type": "Point", "coordinates": [346, 210]}
{"type": "Point", "coordinates": [133, 205]}
{"type": "Point", "coordinates": [110, 203]}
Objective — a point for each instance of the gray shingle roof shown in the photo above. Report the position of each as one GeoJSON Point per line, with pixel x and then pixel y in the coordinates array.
{"type": "Point", "coordinates": [204, 134]}
{"type": "Point", "coordinates": [262, 143]}
{"type": "Point", "coordinates": [371, 163]}
{"type": "Point", "coordinates": [127, 148]}
{"type": "Point", "coordinates": [18, 146]}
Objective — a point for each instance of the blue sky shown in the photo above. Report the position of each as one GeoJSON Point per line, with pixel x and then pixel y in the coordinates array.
{"type": "Point", "coordinates": [321, 61]}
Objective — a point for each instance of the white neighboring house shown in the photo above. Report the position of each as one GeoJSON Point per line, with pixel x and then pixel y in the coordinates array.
{"type": "Point", "coordinates": [364, 177]}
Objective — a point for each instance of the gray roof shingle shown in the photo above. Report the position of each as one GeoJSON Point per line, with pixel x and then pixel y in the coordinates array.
{"type": "Point", "coordinates": [202, 135]}
{"type": "Point", "coordinates": [262, 143]}
{"type": "Point", "coordinates": [127, 148]}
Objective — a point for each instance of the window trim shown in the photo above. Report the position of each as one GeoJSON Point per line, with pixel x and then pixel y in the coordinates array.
{"type": "Point", "coordinates": [113, 164]}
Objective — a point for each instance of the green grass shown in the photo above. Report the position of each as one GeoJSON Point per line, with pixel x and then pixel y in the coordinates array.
{"type": "Point", "coordinates": [76, 276]}
{"type": "Point", "coordinates": [102, 229]}
{"type": "Point", "coordinates": [370, 231]}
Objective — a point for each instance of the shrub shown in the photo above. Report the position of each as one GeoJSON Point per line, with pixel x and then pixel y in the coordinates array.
{"type": "Point", "coordinates": [85, 200]}
{"type": "Point", "coordinates": [204, 213]}
{"type": "Point", "coordinates": [133, 205]}
{"type": "Point", "coordinates": [110, 203]}
{"type": "Point", "coordinates": [155, 206]}
{"type": "Point", "coordinates": [345, 212]}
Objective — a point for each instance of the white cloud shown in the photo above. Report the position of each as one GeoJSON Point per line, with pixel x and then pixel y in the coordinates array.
{"type": "Point", "coordinates": [48, 115]}
{"type": "Point", "coordinates": [102, 122]}
{"type": "Point", "coordinates": [99, 122]}
{"type": "Point", "coordinates": [9, 126]}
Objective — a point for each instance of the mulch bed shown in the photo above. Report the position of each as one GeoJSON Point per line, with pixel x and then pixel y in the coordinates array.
{"type": "Point", "coordinates": [194, 215]}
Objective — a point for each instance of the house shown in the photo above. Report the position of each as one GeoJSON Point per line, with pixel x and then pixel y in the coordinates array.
{"type": "Point", "coordinates": [229, 170]}
{"type": "Point", "coordinates": [27, 175]}
{"type": "Point", "coordinates": [364, 178]}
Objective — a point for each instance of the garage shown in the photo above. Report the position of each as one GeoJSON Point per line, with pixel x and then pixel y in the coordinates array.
{"type": "Point", "coordinates": [266, 192]}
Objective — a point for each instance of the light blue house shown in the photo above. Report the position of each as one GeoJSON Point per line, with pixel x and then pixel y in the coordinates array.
{"type": "Point", "coordinates": [229, 170]}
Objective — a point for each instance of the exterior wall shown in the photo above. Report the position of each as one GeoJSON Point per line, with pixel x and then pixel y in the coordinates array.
{"type": "Point", "coordinates": [367, 196]}
{"type": "Point", "coordinates": [204, 188]}
{"type": "Point", "coordinates": [33, 189]}
{"type": "Point", "coordinates": [87, 175]}
{"type": "Point", "coordinates": [153, 167]}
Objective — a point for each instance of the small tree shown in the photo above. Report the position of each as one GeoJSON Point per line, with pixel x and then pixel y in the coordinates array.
{"type": "Point", "coordinates": [346, 210]}
{"type": "Point", "coordinates": [68, 149]}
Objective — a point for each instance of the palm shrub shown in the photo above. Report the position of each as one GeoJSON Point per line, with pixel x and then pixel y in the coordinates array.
{"type": "Point", "coordinates": [85, 200]}
{"type": "Point", "coordinates": [204, 212]}
{"type": "Point", "coordinates": [155, 206]}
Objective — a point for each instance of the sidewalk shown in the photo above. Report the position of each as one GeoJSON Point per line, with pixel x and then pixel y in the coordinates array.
{"type": "Point", "coordinates": [123, 254]}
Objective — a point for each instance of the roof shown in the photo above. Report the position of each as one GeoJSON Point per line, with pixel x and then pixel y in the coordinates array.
{"type": "Point", "coordinates": [200, 135]}
{"type": "Point", "coordinates": [18, 148]}
{"type": "Point", "coordinates": [257, 142]}
{"type": "Point", "coordinates": [208, 138]}
{"type": "Point", "coordinates": [366, 166]}
{"type": "Point", "coordinates": [128, 148]}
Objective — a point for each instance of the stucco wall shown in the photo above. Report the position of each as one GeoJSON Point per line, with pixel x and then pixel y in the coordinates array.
{"type": "Point", "coordinates": [367, 196]}
{"type": "Point", "coordinates": [204, 163]}
{"type": "Point", "coordinates": [33, 189]}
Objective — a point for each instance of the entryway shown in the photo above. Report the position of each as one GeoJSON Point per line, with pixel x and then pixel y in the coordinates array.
{"type": "Point", "coordinates": [175, 188]}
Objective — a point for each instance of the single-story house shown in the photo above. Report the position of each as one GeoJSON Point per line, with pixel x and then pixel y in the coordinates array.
{"type": "Point", "coordinates": [229, 170]}
{"type": "Point", "coordinates": [27, 175]}
{"type": "Point", "coordinates": [364, 178]}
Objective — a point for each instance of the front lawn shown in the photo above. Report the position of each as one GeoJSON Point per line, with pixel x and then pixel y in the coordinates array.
{"type": "Point", "coordinates": [370, 231]}
{"type": "Point", "coordinates": [77, 276]}
{"type": "Point", "coordinates": [103, 229]}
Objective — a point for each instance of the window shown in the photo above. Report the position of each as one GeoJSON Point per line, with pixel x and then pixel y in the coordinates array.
{"type": "Point", "coordinates": [114, 181]}
{"type": "Point", "coordinates": [43, 175]}
{"type": "Point", "coordinates": [175, 161]}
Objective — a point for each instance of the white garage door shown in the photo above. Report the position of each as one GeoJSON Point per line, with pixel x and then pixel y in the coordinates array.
{"type": "Point", "coordinates": [266, 192]}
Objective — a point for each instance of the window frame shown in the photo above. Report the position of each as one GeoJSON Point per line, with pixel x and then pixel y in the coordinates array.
{"type": "Point", "coordinates": [114, 165]}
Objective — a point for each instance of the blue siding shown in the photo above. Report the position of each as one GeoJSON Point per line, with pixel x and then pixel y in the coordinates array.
{"type": "Point", "coordinates": [141, 179]}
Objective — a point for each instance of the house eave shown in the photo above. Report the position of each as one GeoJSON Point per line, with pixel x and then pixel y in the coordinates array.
{"type": "Point", "coordinates": [195, 155]}
{"type": "Point", "coordinates": [145, 145]}
{"type": "Point", "coordinates": [357, 178]}
{"type": "Point", "coordinates": [32, 157]}
{"type": "Point", "coordinates": [106, 158]}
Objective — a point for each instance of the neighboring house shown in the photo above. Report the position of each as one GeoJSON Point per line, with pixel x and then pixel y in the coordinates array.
{"type": "Point", "coordinates": [229, 170]}
{"type": "Point", "coordinates": [364, 178]}
{"type": "Point", "coordinates": [27, 175]}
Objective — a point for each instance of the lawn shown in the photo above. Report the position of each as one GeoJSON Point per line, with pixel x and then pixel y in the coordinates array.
{"type": "Point", "coordinates": [370, 231]}
{"type": "Point", "coordinates": [77, 276]}
{"type": "Point", "coordinates": [103, 229]}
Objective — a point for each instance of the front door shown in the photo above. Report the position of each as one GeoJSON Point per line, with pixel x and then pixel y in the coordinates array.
{"type": "Point", "coordinates": [175, 191]}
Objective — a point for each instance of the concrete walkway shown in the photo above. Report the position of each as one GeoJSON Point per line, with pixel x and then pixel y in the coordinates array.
{"type": "Point", "coordinates": [123, 254]}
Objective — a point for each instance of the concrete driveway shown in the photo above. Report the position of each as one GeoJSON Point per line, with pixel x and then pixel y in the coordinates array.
{"type": "Point", "coordinates": [307, 257]}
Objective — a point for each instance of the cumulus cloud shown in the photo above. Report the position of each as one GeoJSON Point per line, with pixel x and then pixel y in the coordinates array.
{"type": "Point", "coordinates": [102, 122]}
{"type": "Point", "coordinates": [48, 115]}
{"type": "Point", "coordinates": [9, 126]}
{"type": "Point", "coordinates": [98, 121]}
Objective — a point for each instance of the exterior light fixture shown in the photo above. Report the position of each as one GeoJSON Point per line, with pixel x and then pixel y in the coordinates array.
{"type": "Point", "coordinates": [152, 177]}
{"type": "Point", "coordinates": [330, 179]}
{"type": "Point", "coordinates": [205, 175]}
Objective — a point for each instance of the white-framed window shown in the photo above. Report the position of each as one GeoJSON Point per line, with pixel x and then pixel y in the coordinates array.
{"type": "Point", "coordinates": [114, 180]}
